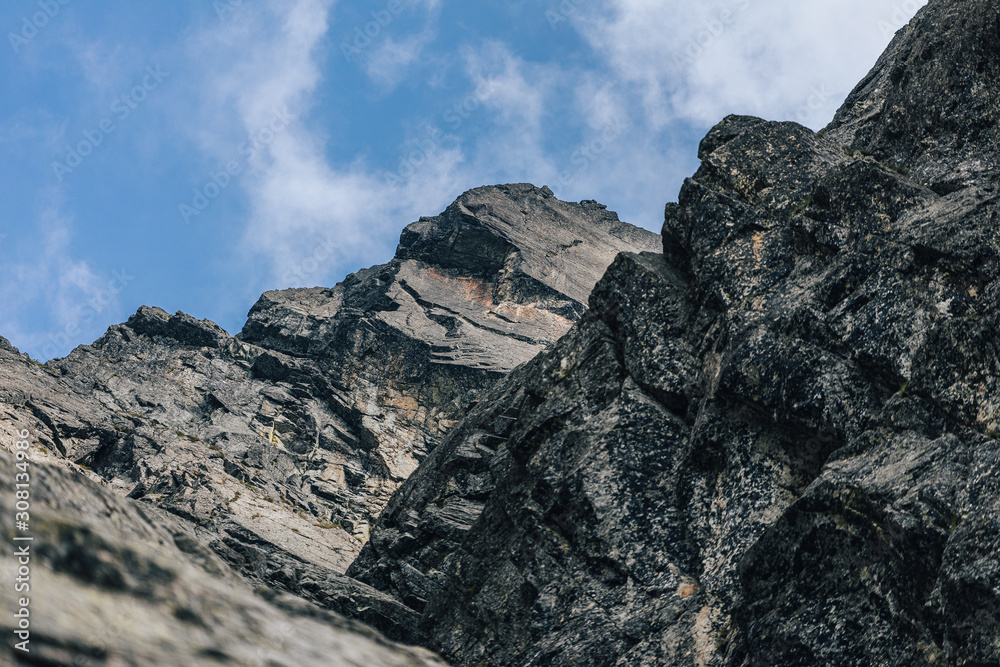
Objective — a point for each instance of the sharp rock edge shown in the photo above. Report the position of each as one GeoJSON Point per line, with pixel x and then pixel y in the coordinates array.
{"type": "Point", "coordinates": [774, 442]}
{"type": "Point", "coordinates": [220, 465]}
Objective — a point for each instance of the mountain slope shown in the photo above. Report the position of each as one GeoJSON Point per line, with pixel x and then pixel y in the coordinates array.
{"type": "Point", "coordinates": [471, 294]}
{"type": "Point", "coordinates": [772, 444]}
{"type": "Point", "coordinates": [928, 106]}
{"type": "Point", "coordinates": [113, 581]}
{"type": "Point", "coordinates": [276, 449]}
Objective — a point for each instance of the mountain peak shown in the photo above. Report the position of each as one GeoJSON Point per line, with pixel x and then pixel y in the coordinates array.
{"type": "Point", "coordinates": [181, 327]}
{"type": "Point", "coordinates": [491, 230]}
{"type": "Point", "coordinates": [276, 450]}
{"type": "Point", "coordinates": [502, 272]}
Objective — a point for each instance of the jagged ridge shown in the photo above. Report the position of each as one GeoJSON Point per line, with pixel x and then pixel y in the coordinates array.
{"type": "Point", "coordinates": [276, 448]}
{"type": "Point", "coordinates": [775, 443]}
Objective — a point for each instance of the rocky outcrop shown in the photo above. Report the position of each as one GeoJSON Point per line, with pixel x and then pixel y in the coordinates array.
{"type": "Point", "coordinates": [167, 410]}
{"type": "Point", "coordinates": [117, 582]}
{"type": "Point", "coordinates": [771, 441]}
{"type": "Point", "coordinates": [471, 294]}
{"type": "Point", "coordinates": [775, 443]}
{"type": "Point", "coordinates": [535, 534]}
{"type": "Point", "coordinates": [276, 448]}
{"type": "Point", "coordinates": [928, 107]}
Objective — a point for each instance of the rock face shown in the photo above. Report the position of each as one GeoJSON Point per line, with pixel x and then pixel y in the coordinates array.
{"type": "Point", "coordinates": [927, 105]}
{"type": "Point", "coordinates": [771, 441]}
{"type": "Point", "coordinates": [115, 582]}
{"type": "Point", "coordinates": [276, 449]}
{"type": "Point", "coordinates": [471, 294]}
{"type": "Point", "coordinates": [775, 442]}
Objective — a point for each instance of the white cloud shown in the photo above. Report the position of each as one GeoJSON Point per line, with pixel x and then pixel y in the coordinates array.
{"type": "Point", "coordinates": [390, 59]}
{"type": "Point", "coordinates": [310, 213]}
{"type": "Point", "coordinates": [657, 71]}
{"type": "Point", "coordinates": [599, 102]}
{"type": "Point", "coordinates": [502, 80]}
{"type": "Point", "coordinates": [517, 101]}
{"type": "Point", "coordinates": [660, 67]}
{"type": "Point", "coordinates": [50, 282]}
{"type": "Point", "coordinates": [389, 63]}
{"type": "Point", "coordinates": [699, 62]}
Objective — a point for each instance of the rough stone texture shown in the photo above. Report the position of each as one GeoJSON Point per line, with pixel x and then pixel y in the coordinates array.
{"type": "Point", "coordinates": [471, 294]}
{"type": "Point", "coordinates": [117, 582]}
{"type": "Point", "coordinates": [187, 428]}
{"type": "Point", "coordinates": [277, 448]}
{"type": "Point", "coordinates": [773, 444]}
{"type": "Point", "coordinates": [928, 106]}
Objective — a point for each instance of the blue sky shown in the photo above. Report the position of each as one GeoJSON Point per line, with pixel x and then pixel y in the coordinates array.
{"type": "Point", "coordinates": [193, 154]}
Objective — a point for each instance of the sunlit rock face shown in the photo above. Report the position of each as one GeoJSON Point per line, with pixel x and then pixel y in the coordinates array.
{"type": "Point", "coordinates": [277, 449]}
{"type": "Point", "coordinates": [471, 294]}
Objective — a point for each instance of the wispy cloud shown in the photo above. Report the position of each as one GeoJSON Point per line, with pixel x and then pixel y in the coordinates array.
{"type": "Point", "coordinates": [307, 201]}
{"type": "Point", "coordinates": [51, 282]}
{"type": "Point", "coordinates": [302, 195]}
{"type": "Point", "coordinates": [658, 64]}
{"type": "Point", "coordinates": [505, 79]}
{"type": "Point", "coordinates": [389, 63]}
{"type": "Point", "coordinates": [699, 62]}
{"type": "Point", "coordinates": [392, 58]}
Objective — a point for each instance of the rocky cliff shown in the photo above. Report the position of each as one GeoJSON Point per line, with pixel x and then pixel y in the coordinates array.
{"type": "Point", "coordinates": [275, 449]}
{"type": "Point", "coordinates": [775, 442]}
{"type": "Point", "coordinates": [771, 439]}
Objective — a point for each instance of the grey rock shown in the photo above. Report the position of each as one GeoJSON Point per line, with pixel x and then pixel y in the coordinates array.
{"type": "Point", "coordinates": [5, 345]}
{"type": "Point", "coordinates": [772, 441]}
{"type": "Point", "coordinates": [772, 444]}
{"type": "Point", "coordinates": [471, 294]}
{"type": "Point", "coordinates": [927, 106]}
{"type": "Point", "coordinates": [277, 449]}
{"type": "Point", "coordinates": [114, 581]}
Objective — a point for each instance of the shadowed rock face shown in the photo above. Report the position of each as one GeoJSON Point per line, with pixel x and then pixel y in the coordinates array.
{"type": "Point", "coordinates": [276, 449]}
{"type": "Point", "coordinates": [929, 104]}
{"type": "Point", "coordinates": [775, 443]}
{"type": "Point", "coordinates": [772, 441]}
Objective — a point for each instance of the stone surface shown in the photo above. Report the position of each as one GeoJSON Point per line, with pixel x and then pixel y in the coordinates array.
{"type": "Point", "coordinates": [928, 106]}
{"type": "Point", "coordinates": [118, 582]}
{"type": "Point", "coordinates": [276, 449]}
{"type": "Point", "coordinates": [772, 441]}
{"type": "Point", "coordinates": [471, 294]}
{"type": "Point", "coordinates": [775, 443]}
